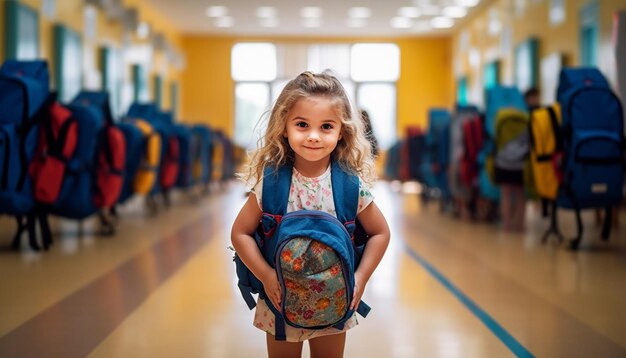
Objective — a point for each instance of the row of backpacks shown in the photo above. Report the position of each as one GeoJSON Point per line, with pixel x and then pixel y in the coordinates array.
{"type": "Point", "coordinates": [73, 160]}
{"type": "Point", "coordinates": [571, 154]}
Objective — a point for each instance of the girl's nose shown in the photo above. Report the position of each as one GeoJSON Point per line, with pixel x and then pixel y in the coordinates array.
{"type": "Point", "coordinates": [313, 137]}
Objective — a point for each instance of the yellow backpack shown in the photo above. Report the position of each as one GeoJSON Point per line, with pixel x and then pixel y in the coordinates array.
{"type": "Point", "coordinates": [545, 150]}
{"type": "Point", "coordinates": [146, 175]}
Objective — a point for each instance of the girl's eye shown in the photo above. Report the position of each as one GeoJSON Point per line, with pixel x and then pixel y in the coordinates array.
{"type": "Point", "coordinates": [302, 124]}
{"type": "Point", "coordinates": [327, 126]}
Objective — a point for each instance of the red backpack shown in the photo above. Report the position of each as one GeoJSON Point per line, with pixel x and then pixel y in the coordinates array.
{"type": "Point", "coordinates": [472, 143]}
{"type": "Point", "coordinates": [110, 167]}
{"type": "Point", "coordinates": [111, 152]}
{"type": "Point", "coordinates": [169, 170]}
{"type": "Point", "coordinates": [57, 143]}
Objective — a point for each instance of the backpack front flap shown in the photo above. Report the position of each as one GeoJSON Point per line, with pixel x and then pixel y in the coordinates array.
{"type": "Point", "coordinates": [314, 260]}
{"type": "Point", "coordinates": [58, 140]}
{"type": "Point", "coordinates": [110, 167]}
{"type": "Point", "coordinates": [512, 141]}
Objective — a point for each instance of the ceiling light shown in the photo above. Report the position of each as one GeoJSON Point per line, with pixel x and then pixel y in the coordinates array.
{"type": "Point", "coordinates": [409, 11]}
{"type": "Point", "coordinates": [399, 22]}
{"type": "Point", "coordinates": [442, 22]}
{"type": "Point", "coordinates": [311, 12]}
{"type": "Point", "coordinates": [467, 3]}
{"type": "Point", "coordinates": [266, 11]}
{"type": "Point", "coordinates": [454, 11]}
{"type": "Point", "coordinates": [359, 12]}
{"type": "Point", "coordinates": [311, 22]}
{"type": "Point", "coordinates": [224, 21]}
{"type": "Point", "coordinates": [268, 22]}
{"type": "Point", "coordinates": [216, 11]}
{"type": "Point", "coordinates": [356, 22]}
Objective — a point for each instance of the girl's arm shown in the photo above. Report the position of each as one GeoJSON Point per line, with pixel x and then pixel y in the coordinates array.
{"type": "Point", "coordinates": [376, 227]}
{"type": "Point", "coordinates": [244, 243]}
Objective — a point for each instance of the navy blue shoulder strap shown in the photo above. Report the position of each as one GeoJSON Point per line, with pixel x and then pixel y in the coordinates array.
{"type": "Point", "coordinates": [277, 182]}
{"type": "Point", "coordinates": [345, 193]}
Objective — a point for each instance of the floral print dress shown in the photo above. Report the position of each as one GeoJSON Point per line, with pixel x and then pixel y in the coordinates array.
{"type": "Point", "coordinates": [307, 194]}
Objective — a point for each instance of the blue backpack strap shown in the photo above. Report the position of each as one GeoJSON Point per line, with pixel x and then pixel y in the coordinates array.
{"type": "Point", "coordinates": [276, 181]}
{"type": "Point", "coordinates": [345, 194]}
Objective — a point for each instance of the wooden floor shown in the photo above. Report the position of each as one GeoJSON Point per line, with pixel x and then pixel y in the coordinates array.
{"type": "Point", "coordinates": [165, 286]}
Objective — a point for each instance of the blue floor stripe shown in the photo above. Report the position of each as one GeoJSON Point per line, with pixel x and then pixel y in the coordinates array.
{"type": "Point", "coordinates": [516, 347]}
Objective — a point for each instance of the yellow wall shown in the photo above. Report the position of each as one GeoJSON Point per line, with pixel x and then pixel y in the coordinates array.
{"type": "Point", "coordinates": [208, 90]}
{"type": "Point", "coordinates": [533, 22]}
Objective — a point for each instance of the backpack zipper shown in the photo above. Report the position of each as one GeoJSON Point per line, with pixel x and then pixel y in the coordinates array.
{"type": "Point", "coordinates": [314, 214]}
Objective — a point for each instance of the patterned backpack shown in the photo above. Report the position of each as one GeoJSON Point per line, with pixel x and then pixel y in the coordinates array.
{"type": "Point", "coordinates": [314, 253]}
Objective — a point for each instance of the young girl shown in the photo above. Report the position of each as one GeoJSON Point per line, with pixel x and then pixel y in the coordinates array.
{"type": "Point", "coordinates": [311, 124]}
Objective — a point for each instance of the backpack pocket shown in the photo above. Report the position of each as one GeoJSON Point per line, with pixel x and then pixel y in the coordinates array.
{"type": "Point", "coordinates": [314, 283]}
{"type": "Point", "coordinates": [595, 172]}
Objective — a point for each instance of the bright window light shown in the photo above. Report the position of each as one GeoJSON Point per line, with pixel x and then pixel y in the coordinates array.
{"type": "Point", "coordinates": [375, 62]}
{"type": "Point", "coordinates": [253, 62]}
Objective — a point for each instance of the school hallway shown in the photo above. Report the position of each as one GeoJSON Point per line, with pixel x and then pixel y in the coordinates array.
{"type": "Point", "coordinates": [165, 286]}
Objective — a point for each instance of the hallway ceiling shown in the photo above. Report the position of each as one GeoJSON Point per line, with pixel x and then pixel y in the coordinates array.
{"type": "Point", "coordinates": [331, 19]}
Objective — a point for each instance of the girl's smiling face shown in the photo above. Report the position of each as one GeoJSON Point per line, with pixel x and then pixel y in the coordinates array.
{"type": "Point", "coordinates": [313, 129]}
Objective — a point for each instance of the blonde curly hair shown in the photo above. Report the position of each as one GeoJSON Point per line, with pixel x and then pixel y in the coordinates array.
{"type": "Point", "coordinates": [353, 149]}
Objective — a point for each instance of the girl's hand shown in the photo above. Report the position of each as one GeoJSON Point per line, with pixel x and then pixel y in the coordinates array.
{"type": "Point", "coordinates": [272, 288]}
{"type": "Point", "coordinates": [359, 287]}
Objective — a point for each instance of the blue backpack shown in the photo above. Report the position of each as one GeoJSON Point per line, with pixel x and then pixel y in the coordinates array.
{"type": "Point", "coordinates": [438, 143]}
{"type": "Point", "coordinates": [593, 143]}
{"type": "Point", "coordinates": [24, 91]}
{"type": "Point", "coordinates": [312, 251]}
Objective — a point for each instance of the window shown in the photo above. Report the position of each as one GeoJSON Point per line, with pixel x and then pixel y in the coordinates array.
{"type": "Point", "coordinates": [68, 62]}
{"type": "Point", "coordinates": [254, 68]}
{"type": "Point", "coordinates": [589, 19]}
{"type": "Point", "coordinates": [491, 74]}
{"type": "Point", "coordinates": [254, 62]}
{"type": "Point", "coordinates": [379, 100]}
{"type": "Point", "coordinates": [111, 77]}
{"type": "Point", "coordinates": [21, 31]}
{"type": "Point", "coordinates": [367, 71]}
{"type": "Point", "coordinates": [375, 62]}
{"type": "Point", "coordinates": [461, 91]}
{"type": "Point", "coordinates": [251, 101]}
{"type": "Point", "coordinates": [526, 65]}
